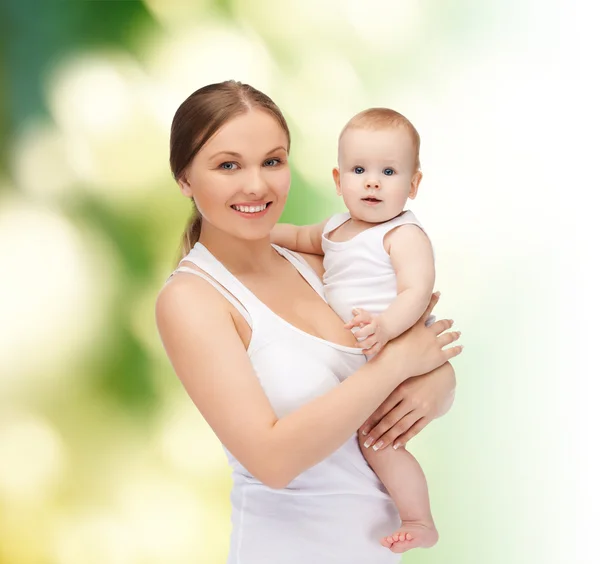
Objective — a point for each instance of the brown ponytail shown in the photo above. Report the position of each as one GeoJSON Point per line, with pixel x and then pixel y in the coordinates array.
{"type": "Point", "coordinates": [191, 235]}
{"type": "Point", "coordinates": [200, 116]}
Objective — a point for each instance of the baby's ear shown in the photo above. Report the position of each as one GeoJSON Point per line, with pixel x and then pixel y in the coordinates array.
{"type": "Point", "coordinates": [336, 179]}
{"type": "Point", "coordinates": [414, 184]}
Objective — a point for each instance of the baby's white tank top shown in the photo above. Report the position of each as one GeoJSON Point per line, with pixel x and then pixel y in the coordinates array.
{"type": "Point", "coordinates": [359, 272]}
{"type": "Point", "coordinates": [334, 512]}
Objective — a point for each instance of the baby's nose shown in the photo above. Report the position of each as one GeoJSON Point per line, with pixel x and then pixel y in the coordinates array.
{"type": "Point", "coordinates": [372, 184]}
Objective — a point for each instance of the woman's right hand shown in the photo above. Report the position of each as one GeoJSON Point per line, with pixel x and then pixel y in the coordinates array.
{"type": "Point", "coordinates": [419, 350]}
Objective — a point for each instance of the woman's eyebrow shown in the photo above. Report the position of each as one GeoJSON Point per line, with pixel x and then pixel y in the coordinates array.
{"type": "Point", "coordinates": [230, 153]}
{"type": "Point", "coordinates": [280, 148]}
{"type": "Point", "coordinates": [238, 156]}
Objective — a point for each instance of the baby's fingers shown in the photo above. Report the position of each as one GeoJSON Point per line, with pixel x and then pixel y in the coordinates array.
{"type": "Point", "coordinates": [368, 343]}
{"type": "Point", "coordinates": [365, 331]}
{"type": "Point", "coordinates": [372, 350]}
{"type": "Point", "coordinates": [360, 317]}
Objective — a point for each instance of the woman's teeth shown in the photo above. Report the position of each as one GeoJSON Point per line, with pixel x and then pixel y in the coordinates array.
{"type": "Point", "coordinates": [250, 209]}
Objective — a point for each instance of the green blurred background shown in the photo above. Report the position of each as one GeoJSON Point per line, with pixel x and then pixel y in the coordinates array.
{"type": "Point", "coordinates": [103, 458]}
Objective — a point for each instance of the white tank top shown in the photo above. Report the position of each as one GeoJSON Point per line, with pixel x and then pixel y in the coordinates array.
{"type": "Point", "coordinates": [340, 497]}
{"type": "Point", "coordinates": [359, 272]}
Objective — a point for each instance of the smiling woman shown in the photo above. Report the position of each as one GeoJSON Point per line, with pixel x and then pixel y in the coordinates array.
{"type": "Point", "coordinates": [221, 165]}
{"type": "Point", "coordinates": [267, 362]}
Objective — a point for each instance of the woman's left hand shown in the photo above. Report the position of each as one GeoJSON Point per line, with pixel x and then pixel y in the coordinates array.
{"type": "Point", "coordinates": [409, 408]}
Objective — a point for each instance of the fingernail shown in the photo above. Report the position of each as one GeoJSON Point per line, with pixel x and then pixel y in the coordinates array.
{"type": "Point", "coordinates": [365, 432]}
{"type": "Point", "coordinates": [436, 294]}
{"type": "Point", "coordinates": [369, 442]}
{"type": "Point", "coordinates": [378, 445]}
{"type": "Point", "coordinates": [397, 446]}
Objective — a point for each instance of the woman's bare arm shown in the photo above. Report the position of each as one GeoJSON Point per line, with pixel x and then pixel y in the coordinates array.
{"type": "Point", "coordinates": [301, 238]}
{"type": "Point", "coordinates": [207, 354]}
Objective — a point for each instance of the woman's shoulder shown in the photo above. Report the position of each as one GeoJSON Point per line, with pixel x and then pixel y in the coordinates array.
{"type": "Point", "coordinates": [184, 294]}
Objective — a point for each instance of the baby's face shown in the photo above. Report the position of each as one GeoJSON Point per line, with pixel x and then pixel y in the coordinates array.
{"type": "Point", "coordinates": [376, 172]}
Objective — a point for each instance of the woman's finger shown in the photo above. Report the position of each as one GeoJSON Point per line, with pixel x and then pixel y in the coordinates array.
{"type": "Point", "coordinates": [387, 422]}
{"type": "Point", "coordinates": [397, 430]}
{"type": "Point", "coordinates": [442, 325]}
{"type": "Point", "coordinates": [453, 351]}
{"type": "Point", "coordinates": [434, 300]}
{"type": "Point", "coordinates": [392, 401]}
{"type": "Point", "coordinates": [449, 337]}
{"type": "Point", "coordinates": [410, 434]}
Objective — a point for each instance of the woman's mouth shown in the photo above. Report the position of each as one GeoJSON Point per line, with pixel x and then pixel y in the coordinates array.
{"type": "Point", "coordinates": [251, 210]}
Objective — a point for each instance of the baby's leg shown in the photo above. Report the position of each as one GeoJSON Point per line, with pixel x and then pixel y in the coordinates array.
{"type": "Point", "coordinates": [401, 474]}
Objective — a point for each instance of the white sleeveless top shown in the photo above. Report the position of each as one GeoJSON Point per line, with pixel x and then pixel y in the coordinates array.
{"type": "Point", "coordinates": [336, 511]}
{"type": "Point", "coordinates": [359, 272]}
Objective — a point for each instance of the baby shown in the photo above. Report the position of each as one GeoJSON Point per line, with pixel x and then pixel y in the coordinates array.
{"type": "Point", "coordinates": [379, 275]}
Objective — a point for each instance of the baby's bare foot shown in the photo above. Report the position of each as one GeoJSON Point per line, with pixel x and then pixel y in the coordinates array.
{"type": "Point", "coordinates": [412, 534]}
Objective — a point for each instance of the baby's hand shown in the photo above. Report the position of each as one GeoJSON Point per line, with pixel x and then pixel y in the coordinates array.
{"type": "Point", "coordinates": [372, 330]}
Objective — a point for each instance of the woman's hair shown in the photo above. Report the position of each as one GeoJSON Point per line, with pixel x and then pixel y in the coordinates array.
{"type": "Point", "coordinates": [200, 116]}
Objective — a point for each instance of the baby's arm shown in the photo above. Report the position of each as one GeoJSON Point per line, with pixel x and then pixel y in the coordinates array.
{"type": "Point", "coordinates": [303, 239]}
{"type": "Point", "coordinates": [412, 259]}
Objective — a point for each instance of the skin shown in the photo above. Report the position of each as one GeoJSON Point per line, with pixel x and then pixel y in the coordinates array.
{"type": "Point", "coordinates": [206, 338]}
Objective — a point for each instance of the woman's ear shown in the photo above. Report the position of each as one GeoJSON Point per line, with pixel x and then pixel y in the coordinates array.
{"type": "Point", "coordinates": [336, 179]}
{"type": "Point", "coordinates": [414, 184]}
{"type": "Point", "coordinates": [184, 185]}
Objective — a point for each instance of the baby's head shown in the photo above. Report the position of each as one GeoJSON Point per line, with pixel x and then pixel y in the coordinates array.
{"type": "Point", "coordinates": [378, 164]}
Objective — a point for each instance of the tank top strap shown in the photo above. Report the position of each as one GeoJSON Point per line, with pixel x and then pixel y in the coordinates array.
{"type": "Point", "coordinates": [334, 222]}
{"type": "Point", "coordinates": [305, 270]}
{"type": "Point", "coordinates": [226, 283]}
{"type": "Point", "coordinates": [405, 218]}
{"type": "Point", "coordinates": [375, 236]}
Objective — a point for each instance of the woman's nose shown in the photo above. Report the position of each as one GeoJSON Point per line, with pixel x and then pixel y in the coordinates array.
{"type": "Point", "coordinates": [255, 183]}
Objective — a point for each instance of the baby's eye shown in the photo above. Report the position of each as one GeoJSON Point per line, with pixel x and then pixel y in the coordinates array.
{"type": "Point", "coordinates": [389, 171]}
{"type": "Point", "coordinates": [272, 162]}
{"type": "Point", "coordinates": [228, 166]}
{"type": "Point", "coordinates": [358, 169]}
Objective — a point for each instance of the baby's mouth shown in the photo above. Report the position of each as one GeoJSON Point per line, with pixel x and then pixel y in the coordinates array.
{"type": "Point", "coordinates": [371, 199]}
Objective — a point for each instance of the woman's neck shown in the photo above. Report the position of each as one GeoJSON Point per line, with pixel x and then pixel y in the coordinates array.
{"type": "Point", "coordinates": [239, 256]}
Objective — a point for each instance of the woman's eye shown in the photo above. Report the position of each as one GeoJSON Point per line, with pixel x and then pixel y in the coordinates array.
{"type": "Point", "coordinates": [388, 171]}
{"type": "Point", "coordinates": [358, 169]}
{"type": "Point", "coordinates": [272, 162]}
{"type": "Point", "coordinates": [228, 166]}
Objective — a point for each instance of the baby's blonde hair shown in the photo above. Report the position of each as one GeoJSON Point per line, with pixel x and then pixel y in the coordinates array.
{"type": "Point", "coordinates": [385, 118]}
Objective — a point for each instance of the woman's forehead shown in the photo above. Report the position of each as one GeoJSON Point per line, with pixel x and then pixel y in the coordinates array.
{"type": "Point", "coordinates": [250, 132]}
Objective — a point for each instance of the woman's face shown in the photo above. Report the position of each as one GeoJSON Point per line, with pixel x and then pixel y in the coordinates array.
{"type": "Point", "coordinates": [240, 178]}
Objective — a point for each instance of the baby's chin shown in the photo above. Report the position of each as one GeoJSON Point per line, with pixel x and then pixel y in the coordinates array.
{"type": "Point", "coordinates": [374, 215]}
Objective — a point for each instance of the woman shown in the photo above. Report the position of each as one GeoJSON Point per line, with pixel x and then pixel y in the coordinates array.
{"type": "Point", "coordinates": [264, 358]}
